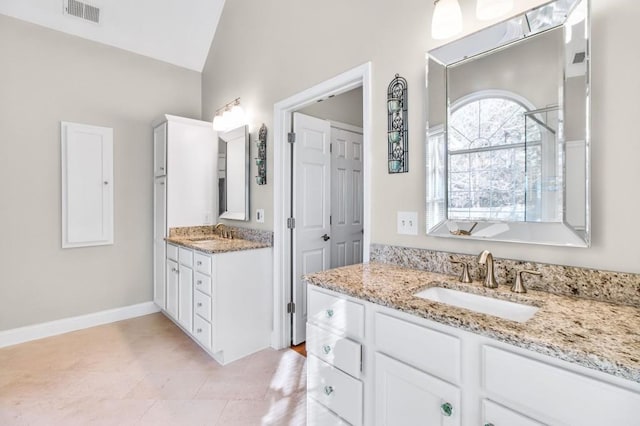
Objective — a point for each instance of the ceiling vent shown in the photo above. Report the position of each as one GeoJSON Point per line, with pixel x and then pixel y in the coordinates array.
{"type": "Point", "coordinates": [82, 10]}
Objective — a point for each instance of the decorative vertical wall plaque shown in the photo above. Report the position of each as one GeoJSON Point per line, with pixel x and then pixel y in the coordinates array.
{"type": "Point", "coordinates": [261, 160]}
{"type": "Point", "coordinates": [397, 125]}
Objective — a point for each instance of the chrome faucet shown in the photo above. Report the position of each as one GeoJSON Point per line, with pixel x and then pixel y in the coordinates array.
{"type": "Point", "coordinates": [486, 258]}
{"type": "Point", "coordinates": [222, 230]}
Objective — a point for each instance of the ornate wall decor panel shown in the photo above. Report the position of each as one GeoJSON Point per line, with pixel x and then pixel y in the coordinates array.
{"type": "Point", "coordinates": [397, 125]}
{"type": "Point", "coordinates": [261, 159]}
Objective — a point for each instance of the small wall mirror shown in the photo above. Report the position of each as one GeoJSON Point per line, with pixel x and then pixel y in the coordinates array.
{"type": "Point", "coordinates": [508, 130]}
{"type": "Point", "coordinates": [233, 174]}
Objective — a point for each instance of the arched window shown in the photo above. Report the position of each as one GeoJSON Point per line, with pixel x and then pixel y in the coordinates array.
{"type": "Point", "coordinates": [494, 159]}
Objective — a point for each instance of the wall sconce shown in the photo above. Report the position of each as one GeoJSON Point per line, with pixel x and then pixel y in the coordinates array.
{"type": "Point", "coordinates": [229, 117]}
{"type": "Point", "coordinates": [447, 19]}
{"type": "Point", "coordinates": [447, 16]}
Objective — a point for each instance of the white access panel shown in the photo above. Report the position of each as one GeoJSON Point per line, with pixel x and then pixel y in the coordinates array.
{"type": "Point", "coordinates": [87, 185]}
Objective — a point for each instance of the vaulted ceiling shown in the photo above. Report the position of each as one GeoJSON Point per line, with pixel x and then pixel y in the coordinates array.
{"type": "Point", "coordinates": [175, 31]}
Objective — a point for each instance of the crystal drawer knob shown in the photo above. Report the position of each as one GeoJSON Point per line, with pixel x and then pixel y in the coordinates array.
{"type": "Point", "coordinates": [199, 282]}
{"type": "Point", "coordinates": [199, 304]}
{"type": "Point", "coordinates": [488, 424]}
{"type": "Point", "coordinates": [328, 390]}
{"type": "Point", "coordinates": [446, 409]}
{"type": "Point", "coordinates": [199, 330]}
{"type": "Point", "coordinates": [326, 349]}
{"type": "Point", "coordinates": [199, 263]}
{"type": "Point", "coordinates": [329, 313]}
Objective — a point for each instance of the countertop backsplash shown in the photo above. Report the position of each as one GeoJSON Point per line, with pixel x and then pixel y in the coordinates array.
{"type": "Point", "coordinates": [614, 287]}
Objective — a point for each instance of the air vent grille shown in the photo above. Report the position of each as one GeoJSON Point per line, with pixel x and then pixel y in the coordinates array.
{"type": "Point", "coordinates": [82, 10]}
{"type": "Point", "coordinates": [579, 57]}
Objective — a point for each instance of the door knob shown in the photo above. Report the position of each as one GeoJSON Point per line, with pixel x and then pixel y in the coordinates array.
{"type": "Point", "coordinates": [325, 237]}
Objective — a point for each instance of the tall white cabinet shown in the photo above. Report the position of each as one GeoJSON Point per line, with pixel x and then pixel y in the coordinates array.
{"type": "Point", "coordinates": [185, 155]}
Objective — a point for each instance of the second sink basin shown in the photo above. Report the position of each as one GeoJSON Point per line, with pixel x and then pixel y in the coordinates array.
{"type": "Point", "coordinates": [482, 304]}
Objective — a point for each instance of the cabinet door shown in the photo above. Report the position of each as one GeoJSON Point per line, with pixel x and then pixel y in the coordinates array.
{"type": "Point", "coordinates": [185, 309]}
{"type": "Point", "coordinates": [160, 150]}
{"type": "Point", "coordinates": [407, 396]}
{"type": "Point", "coordinates": [172, 289]}
{"type": "Point", "coordinates": [159, 245]}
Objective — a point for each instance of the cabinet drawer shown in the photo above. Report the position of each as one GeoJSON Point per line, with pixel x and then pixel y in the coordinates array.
{"type": "Point", "coordinates": [337, 313]}
{"type": "Point", "coordinates": [202, 282]}
{"type": "Point", "coordinates": [319, 415]}
{"type": "Point", "coordinates": [202, 305]}
{"type": "Point", "coordinates": [202, 331]}
{"type": "Point", "coordinates": [185, 256]}
{"type": "Point", "coordinates": [497, 415]}
{"type": "Point", "coordinates": [431, 351]}
{"type": "Point", "coordinates": [338, 351]}
{"type": "Point", "coordinates": [554, 395]}
{"type": "Point", "coordinates": [202, 263]}
{"type": "Point", "coordinates": [334, 389]}
{"type": "Point", "coordinates": [172, 252]}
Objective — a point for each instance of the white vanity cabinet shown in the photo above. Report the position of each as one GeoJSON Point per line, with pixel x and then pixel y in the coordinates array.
{"type": "Point", "coordinates": [223, 300]}
{"type": "Point", "coordinates": [419, 372]}
{"type": "Point", "coordinates": [335, 331]}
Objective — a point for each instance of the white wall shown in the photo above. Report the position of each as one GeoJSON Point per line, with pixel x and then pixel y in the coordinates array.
{"type": "Point", "coordinates": [46, 77]}
{"type": "Point", "coordinates": [345, 108]}
{"type": "Point", "coordinates": [291, 45]}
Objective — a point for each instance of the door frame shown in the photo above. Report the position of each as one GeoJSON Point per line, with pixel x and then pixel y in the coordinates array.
{"type": "Point", "coordinates": [282, 123]}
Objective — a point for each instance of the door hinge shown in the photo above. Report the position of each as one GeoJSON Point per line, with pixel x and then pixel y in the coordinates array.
{"type": "Point", "coordinates": [291, 223]}
{"type": "Point", "coordinates": [291, 308]}
{"type": "Point", "coordinates": [330, 220]}
{"type": "Point", "coordinates": [291, 137]}
{"type": "Point", "coordinates": [330, 147]}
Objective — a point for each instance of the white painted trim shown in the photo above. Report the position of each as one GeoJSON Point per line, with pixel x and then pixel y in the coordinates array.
{"type": "Point", "coordinates": [356, 77]}
{"type": "Point", "coordinates": [65, 325]}
{"type": "Point", "coordinates": [177, 119]}
{"type": "Point", "coordinates": [344, 126]}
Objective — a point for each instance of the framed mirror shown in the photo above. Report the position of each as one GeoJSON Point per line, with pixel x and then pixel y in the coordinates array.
{"type": "Point", "coordinates": [508, 130]}
{"type": "Point", "coordinates": [233, 174]}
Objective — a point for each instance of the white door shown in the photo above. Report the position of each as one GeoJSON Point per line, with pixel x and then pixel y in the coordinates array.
{"type": "Point", "coordinates": [185, 298]}
{"type": "Point", "coordinates": [407, 396]}
{"type": "Point", "coordinates": [172, 288]}
{"type": "Point", "coordinates": [346, 198]}
{"type": "Point", "coordinates": [159, 245]}
{"type": "Point", "coordinates": [311, 209]}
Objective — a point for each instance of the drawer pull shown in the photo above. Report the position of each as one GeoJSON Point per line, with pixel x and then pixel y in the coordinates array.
{"type": "Point", "coordinates": [328, 390]}
{"type": "Point", "coordinates": [199, 263]}
{"type": "Point", "coordinates": [199, 304]}
{"type": "Point", "coordinates": [488, 424]}
{"type": "Point", "coordinates": [446, 409]}
{"type": "Point", "coordinates": [199, 330]}
{"type": "Point", "coordinates": [329, 313]}
{"type": "Point", "coordinates": [326, 349]}
{"type": "Point", "coordinates": [199, 282]}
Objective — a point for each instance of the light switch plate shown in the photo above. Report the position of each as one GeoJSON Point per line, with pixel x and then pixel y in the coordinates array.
{"type": "Point", "coordinates": [260, 215]}
{"type": "Point", "coordinates": [408, 223]}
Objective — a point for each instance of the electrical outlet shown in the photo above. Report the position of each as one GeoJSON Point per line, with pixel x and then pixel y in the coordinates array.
{"type": "Point", "coordinates": [408, 223]}
{"type": "Point", "coordinates": [260, 215]}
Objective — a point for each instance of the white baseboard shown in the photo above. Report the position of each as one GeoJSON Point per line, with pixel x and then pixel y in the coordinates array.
{"type": "Point", "coordinates": [53, 328]}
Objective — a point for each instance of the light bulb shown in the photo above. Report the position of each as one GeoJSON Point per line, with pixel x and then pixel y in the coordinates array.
{"type": "Point", "coordinates": [218, 123]}
{"type": "Point", "coordinates": [447, 19]}
{"type": "Point", "coordinates": [237, 116]}
{"type": "Point", "coordinates": [490, 9]}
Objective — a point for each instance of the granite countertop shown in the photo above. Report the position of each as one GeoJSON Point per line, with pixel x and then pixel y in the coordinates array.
{"type": "Point", "coordinates": [594, 334]}
{"type": "Point", "coordinates": [215, 244]}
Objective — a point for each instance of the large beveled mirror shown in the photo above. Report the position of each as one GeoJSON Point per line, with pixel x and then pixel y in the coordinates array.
{"type": "Point", "coordinates": [233, 174]}
{"type": "Point", "coordinates": [508, 130]}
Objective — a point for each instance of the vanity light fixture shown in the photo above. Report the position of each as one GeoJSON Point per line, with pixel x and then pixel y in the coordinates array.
{"type": "Point", "coordinates": [229, 116]}
{"type": "Point", "coordinates": [447, 19]}
{"type": "Point", "coordinates": [490, 9]}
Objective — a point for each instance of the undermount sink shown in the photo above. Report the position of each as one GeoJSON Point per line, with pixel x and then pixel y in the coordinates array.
{"type": "Point", "coordinates": [482, 304]}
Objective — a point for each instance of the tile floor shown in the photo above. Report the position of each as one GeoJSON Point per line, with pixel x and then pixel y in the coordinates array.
{"type": "Point", "coordinates": [145, 371]}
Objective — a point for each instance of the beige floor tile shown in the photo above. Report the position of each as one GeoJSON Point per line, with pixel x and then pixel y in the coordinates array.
{"type": "Point", "coordinates": [168, 385]}
{"type": "Point", "coordinates": [145, 371]}
{"type": "Point", "coordinates": [184, 412]}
